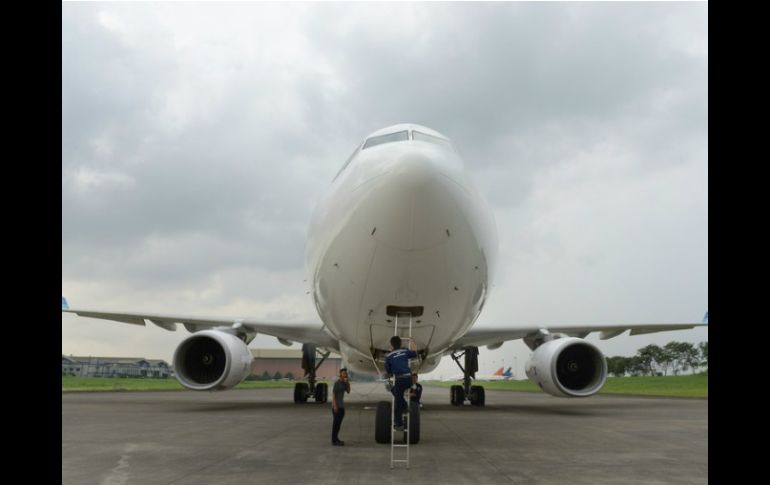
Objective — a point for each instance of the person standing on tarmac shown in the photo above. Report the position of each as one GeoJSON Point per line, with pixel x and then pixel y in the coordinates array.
{"type": "Point", "coordinates": [397, 365]}
{"type": "Point", "coordinates": [338, 405]}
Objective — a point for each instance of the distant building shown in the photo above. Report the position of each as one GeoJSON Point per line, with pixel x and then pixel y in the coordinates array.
{"type": "Point", "coordinates": [114, 367]}
{"type": "Point", "coordinates": [271, 361]}
{"type": "Point", "coordinates": [290, 360]}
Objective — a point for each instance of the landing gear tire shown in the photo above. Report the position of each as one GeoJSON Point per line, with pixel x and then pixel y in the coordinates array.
{"type": "Point", "coordinates": [457, 394]}
{"type": "Point", "coordinates": [477, 396]}
{"type": "Point", "coordinates": [414, 422]}
{"type": "Point", "coordinates": [300, 392]}
{"type": "Point", "coordinates": [321, 392]}
{"type": "Point", "coordinates": [382, 423]}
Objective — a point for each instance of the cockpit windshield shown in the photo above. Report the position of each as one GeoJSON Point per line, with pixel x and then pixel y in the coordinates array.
{"type": "Point", "coordinates": [419, 136]}
{"type": "Point", "coordinates": [390, 137]}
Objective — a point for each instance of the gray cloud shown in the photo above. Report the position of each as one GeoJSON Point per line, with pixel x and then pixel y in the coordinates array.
{"type": "Point", "coordinates": [196, 139]}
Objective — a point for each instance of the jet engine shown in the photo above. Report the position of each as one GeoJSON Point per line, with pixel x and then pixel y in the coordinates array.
{"type": "Point", "coordinates": [212, 360]}
{"type": "Point", "coordinates": [568, 367]}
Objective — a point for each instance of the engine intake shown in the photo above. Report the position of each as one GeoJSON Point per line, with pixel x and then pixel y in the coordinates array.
{"type": "Point", "coordinates": [568, 367]}
{"type": "Point", "coordinates": [212, 360]}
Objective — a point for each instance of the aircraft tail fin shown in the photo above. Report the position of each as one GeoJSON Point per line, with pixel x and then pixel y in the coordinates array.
{"type": "Point", "coordinates": [499, 372]}
{"type": "Point", "coordinates": [508, 373]}
{"type": "Point", "coordinates": [706, 318]}
{"type": "Point", "coordinates": [64, 304]}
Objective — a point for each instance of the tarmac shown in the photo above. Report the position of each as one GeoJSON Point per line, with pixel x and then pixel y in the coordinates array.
{"type": "Point", "coordinates": [261, 436]}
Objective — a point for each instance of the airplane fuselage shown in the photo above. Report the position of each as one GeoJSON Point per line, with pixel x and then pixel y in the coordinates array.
{"type": "Point", "coordinates": [402, 229]}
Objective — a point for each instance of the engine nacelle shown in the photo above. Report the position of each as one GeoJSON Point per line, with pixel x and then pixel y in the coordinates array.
{"type": "Point", "coordinates": [211, 360]}
{"type": "Point", "coordinates": [568, 367]}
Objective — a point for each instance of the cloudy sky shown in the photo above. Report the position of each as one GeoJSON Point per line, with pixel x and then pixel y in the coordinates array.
{"type": "Point", "coordinates": [197, 139]}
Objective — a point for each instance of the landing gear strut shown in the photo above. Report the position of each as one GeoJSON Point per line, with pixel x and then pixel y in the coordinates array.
{"type": "Point", "coordinates": [318, 391]}
{"type": "Point", "coordinates": [475, 394]}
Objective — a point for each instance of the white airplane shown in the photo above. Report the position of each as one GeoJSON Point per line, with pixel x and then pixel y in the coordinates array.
{"type": "Point", "coordinates": [402, 243]}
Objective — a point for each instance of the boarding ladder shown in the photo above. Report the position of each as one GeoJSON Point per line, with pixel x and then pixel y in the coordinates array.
{"type": "Point", "coordinates": [408, 421]}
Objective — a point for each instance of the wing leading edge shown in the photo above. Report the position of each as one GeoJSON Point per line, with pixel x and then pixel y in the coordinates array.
{"type": "Point", "coordinates": [492, 336]}
{"type": "Point", "coordinates": [311, 333]}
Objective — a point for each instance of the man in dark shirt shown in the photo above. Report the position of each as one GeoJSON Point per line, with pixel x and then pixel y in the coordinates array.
{"type": "Point", "coordinates": [397, 364]}
{"type": "Point", "coordinates": [338, 404]}
{"type": "Point", "coordinates": [415, 393]}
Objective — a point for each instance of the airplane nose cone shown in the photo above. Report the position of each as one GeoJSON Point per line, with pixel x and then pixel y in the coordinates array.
{"type": "Point", "coordinates": [411, 172]}
{"type": "Point", "coordinates": [415, 203]}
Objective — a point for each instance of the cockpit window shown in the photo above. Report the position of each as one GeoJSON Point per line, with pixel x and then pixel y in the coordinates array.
{"type": "Point", "coordinates": [416, 135]}
{"type": "Point", "coordinates": [390, 137]}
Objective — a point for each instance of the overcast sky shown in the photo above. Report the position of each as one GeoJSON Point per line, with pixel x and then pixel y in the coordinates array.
{"type": "Point", "coordinates": [197, 139]}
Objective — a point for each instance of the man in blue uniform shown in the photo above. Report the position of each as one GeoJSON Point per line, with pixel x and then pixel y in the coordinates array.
{"type": "Point", "coordinates": [397, 364]}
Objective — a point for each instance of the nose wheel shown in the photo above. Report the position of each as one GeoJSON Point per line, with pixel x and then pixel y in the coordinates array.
{"type": "Point", "coordinates": [382, 423]}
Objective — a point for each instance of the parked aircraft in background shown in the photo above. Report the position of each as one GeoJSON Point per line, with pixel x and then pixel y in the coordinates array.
{"type": "Point", "coordinates": [499, 375]}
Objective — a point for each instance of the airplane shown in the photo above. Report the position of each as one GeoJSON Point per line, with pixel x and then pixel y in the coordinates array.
{"type": "Point", "coordinates": [499, 375]}
{"type": "Point", "coordinates": [507, 375]}
{"type": "Point", "coordinates": [479, 377]}
{"type": "Point", "coordinates": [402, 243]}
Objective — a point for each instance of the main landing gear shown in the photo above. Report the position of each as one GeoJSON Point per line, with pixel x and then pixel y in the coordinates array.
{"type": "Point", "coordinates": [317, 391]}
{"type": "Point", "coordinates": [475, 394]}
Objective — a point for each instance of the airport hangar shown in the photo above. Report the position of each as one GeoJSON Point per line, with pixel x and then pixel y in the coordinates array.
{"type": "Point", "coordinates": [290, 360]}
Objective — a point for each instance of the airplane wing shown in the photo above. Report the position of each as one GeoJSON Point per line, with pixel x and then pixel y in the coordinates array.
{"type": "Point", "coordinates": [494, 336]}
{"type": "Point", "coordinates": [311, 333]}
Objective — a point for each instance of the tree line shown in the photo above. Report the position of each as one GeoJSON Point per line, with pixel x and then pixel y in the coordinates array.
{"type": "Point", "coordinates": [653, 360]}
